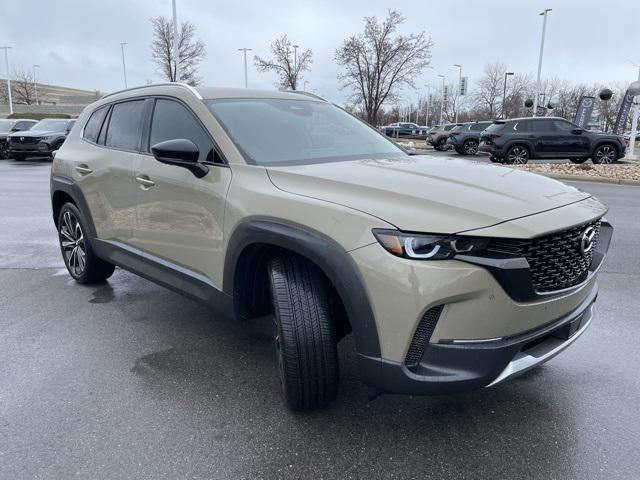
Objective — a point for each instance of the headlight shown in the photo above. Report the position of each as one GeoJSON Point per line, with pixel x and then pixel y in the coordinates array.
{"type": "Point", "coordinates": [428, 247]}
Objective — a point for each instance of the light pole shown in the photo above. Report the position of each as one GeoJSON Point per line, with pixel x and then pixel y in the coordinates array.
{"type": "Point", "coordinates": [504, 92]}
{"type": "Point", "coordinates": [544, 29]}
{"type": "Point", "coordinates": [245, 50]}
{"type": "Point", "coordinates": [459, 83]}
{"type": "Point", "coordinates": [426, 119]}
{"type": "Point", "coordinates": [6, 64]}
{"type": "Point", "coordinates": [176, 57]}
{"type": "Point", "coordinates": [295, 65]}
{"type": "Point", "coordinates": [35, 85]}
{"type": "Point", "coordinates": [124, 66]}
{"type": "Point", "coordinates": [442, 104]}
{"type": "Point", "coordinates": [634, 121]}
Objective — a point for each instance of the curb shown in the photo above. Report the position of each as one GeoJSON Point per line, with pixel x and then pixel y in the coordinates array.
{"type": "Point", "coordinates": [587, 178]}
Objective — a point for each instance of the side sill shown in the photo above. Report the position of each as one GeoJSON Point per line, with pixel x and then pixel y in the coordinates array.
{"type": "Point", "coordinates": [164, 273]}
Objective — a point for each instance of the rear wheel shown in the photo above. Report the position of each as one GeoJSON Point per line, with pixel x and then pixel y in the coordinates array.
{"type": "Point", "coordinates": [605, 154]}
{"type": "Point", "coordinates": [81, 262]}
{"type": "Point", "coordinates": [517, 155]}
{"type": "Point", "coordinates": [470, 147]}
{"type": "Point", "coordinates": [305, 342]}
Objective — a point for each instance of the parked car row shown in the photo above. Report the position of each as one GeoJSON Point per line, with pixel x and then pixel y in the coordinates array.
{"type": "Point", "coordinates": [404, 130]}
{"type": "Point", "coordinates": [21, 138]}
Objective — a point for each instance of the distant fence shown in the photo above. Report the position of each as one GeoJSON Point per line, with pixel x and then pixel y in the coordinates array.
{"type": "Point", "coordinates": [72, 110]}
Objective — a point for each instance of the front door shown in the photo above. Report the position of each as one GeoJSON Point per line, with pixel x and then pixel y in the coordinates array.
{"type": "Point", "coordinates": [179, 216]}
{"type": "Point", "coordinates": [570, 142]}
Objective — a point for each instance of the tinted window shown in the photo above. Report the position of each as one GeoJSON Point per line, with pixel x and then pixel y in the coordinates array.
{"type": "Point", "coordinates": [92, 128]}
{"type": "Point", "coordinates": [562, 126]}
{"type": "Point", "coordinates": [457, 128]}
{"type": "Point", "coordinates": [521, 126]}
{"type": "Point", "coordinates": [173, 120]}
{"type": "Point", "coordinates": [448, 127]}
{"type": "Point", "coordinates": [477, 127]}
{"type": "Point", "coordinates": [124, 125]}
{"type": "Point", "coordinates": [541, 126]}
{"type": "Point", "coordinates": [286, 131]}
{"type": "Point", "coordinates": [103, 130]}
{"type": "Point", "coordinates": [495, 127]}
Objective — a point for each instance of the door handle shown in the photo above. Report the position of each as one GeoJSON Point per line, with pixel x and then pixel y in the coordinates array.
{"type": "Point", "coordinates": [145, 181]}
{"type": "Point", "coordinates": [82, 169]}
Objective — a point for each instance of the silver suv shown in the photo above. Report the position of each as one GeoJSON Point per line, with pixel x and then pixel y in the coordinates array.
{"type": "Point", "coordinates": [450, 276]}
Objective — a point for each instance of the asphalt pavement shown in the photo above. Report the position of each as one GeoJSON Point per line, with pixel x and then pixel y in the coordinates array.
{"type": "Point", "coordinates": [129, 380]}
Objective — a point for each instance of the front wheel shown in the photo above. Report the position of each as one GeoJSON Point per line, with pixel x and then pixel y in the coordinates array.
{"type": "Point", "coordinates": [441, 145]}
{"type": "Point", "coordinates": [81, 262]}
{"type": "Point", "coordinates": [305, 344]}
{"type": "Point", "coordinates": [605, 154]}
{"type": "Point", "coordinates": [517, 155]}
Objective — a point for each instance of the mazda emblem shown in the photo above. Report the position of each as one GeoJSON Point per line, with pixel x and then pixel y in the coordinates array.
{"type": "Point", "coordinates": [586, 240]}
{"type": "Point", "coordinates": [22, 139]}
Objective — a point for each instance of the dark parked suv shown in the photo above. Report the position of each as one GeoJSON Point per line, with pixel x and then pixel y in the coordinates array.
{"type": "Point", "coordinates": [10, 126]}
{"type": "Point", "coordinates": [465, 138]}
{"type": "Point", "coordinates": [44, 138]}
{"type": "Point", "coordinates": [520, 139]}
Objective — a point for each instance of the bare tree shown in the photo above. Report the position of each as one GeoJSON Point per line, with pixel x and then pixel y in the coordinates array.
{"type": "Point", "coordinates": [190, 51]}
{"type": "Point", "coordinates": [22, 87]}
{"type": "Point", "coordinates": [490, 88]}
{"type": "Point", "coordinates": [286, 63]}
{"type": "Point", "coordinates": [377, 64]}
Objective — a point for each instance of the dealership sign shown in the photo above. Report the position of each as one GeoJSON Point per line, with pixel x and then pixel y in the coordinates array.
{"type": "Point", "coordinates": [584, 111]}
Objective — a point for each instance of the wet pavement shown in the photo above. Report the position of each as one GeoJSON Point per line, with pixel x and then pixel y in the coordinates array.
{"type": "Point", "coordinates": [129, 380]}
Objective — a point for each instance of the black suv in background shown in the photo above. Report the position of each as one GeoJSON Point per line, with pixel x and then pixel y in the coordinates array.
{"type": "Point", "coordinates": [465, 138]}
{"type": "Point", "coordinates": [9, 126]}
{"type": "Point", "coordinates": [405, 129]}
{"type": "Point", "coordinates": [517, 140]}
{"type": "Point", "coordinates": [44, 138]}
{"type": "Point", "coordinates": [438, 135]}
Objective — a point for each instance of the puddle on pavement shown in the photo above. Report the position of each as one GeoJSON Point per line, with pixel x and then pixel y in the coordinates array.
{"type": "Point", "coordinates": [103, 295]}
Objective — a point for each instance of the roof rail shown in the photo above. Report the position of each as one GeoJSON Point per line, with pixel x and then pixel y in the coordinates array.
{"type": "Point", "coordinates": [308, 94]}
{"type": "Point", "coordinates": [166, 84]}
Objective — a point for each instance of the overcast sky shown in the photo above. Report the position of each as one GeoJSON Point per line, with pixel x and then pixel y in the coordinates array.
{"type": "Point", "coordinates": [76, 42]}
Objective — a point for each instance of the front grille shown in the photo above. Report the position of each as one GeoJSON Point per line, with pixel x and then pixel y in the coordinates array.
{"type": "Point", "coordinates": [555, 260]}
{"type": "Point", "coordinates": [25, 140]}
{"type": "Point", "coordinates": [421, 338]}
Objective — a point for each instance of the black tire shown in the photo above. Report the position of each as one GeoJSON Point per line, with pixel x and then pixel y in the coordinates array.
{"type": "Point", "coordinates": [18, 157]}
{"type": "Point", "coordinates": [495, 159]}
{"type": "Point", "coordinates": [305, 341]}
{"type": "Point", "coordinates": [517, 155]}
{"type": "Point", "coordinates": [470, 147]}
{"type": "Point", "coordinates": [579, 160]}
{"type": "Point", "coordinates": [605, 154]}
{"type": "Point", "coordinates": [441, 146]}
{"type": "Point", "coordinates": [83, 265]}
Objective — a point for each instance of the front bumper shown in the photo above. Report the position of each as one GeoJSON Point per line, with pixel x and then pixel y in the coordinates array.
{"type": "Point", "coordinates": [454, 368]}
{"type": "Point", "coordinates": [40, 148]}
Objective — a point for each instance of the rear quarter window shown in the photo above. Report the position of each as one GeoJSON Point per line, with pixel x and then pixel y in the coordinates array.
{"type": "Point", "coordinates": [92, 127]}
{"type": "Point", "coordinates": [125, 124]}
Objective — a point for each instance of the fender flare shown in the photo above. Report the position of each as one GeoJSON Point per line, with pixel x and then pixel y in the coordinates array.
{"type": "Point", "coordinates": [65, 184]}
{"type": "Point", "coordinates": [326, 254]}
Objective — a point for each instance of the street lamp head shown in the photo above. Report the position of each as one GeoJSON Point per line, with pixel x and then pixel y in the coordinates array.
{"type": "Point", "coordinates": [509, 73]}
{"type": "Point", "coordinates": [440, 75]}
{"type": "Point", "coordinates": [546, 10]}
{"type": "Point", "coordinates": [456, 65]}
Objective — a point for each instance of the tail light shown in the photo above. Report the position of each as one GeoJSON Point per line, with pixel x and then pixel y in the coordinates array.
{"type": "Point", "coordinates": [454, 133]}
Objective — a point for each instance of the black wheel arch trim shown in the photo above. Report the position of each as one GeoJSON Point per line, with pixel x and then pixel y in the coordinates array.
{"type": "Point", "coordinates": [67, 185]}
{"type": "Point", "coordinates": [326, 254]}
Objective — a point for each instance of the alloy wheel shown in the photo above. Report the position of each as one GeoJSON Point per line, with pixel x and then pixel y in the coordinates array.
{"type": "Point", "coordinates": [518, 156]}
{"type": "Point", "coordinates": [605, 154]}
{"type": "Point", "coordinates": [73, 244]}
{"type": "Point", "coordinates": [471, 147]}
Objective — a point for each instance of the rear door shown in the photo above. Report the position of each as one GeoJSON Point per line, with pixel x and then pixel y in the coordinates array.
{"type": "Point", "coordinates": [180, 217]}
{"type": "Point", "coordinates": [104, 170]}
{"type": "Point", "coordinates": [546, 141]}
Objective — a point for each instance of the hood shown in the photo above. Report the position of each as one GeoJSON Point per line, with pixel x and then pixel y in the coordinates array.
{"type": "Point", "coordinates": [37, 133]}
{"type": "Point", "coordinates": [428, 194]}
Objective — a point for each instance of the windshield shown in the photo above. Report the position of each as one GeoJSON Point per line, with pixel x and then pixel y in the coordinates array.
{"type": "Point", "coordinates": [50, 124]}
{"type": "Point", "coordinates": [5, 125]}
{"type": "Point", "coordinates": [296, 132]}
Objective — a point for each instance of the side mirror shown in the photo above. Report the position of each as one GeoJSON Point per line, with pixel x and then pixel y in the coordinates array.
{"type": "Point", "coordinates": [181, 153]}
{"type": "Point", "coordinates": [15, 129]}
{"type": "Point", "coordinates": [577, 131]}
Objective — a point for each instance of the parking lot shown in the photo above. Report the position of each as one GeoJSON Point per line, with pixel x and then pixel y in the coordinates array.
{"type": "Point", "coordinates": [129, 380]}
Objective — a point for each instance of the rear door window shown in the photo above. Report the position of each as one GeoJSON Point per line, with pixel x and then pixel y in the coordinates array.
{"type": "Point", "coordinates": [124, 127]}
{"type": "Point", "coordinates": [539, 126]}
